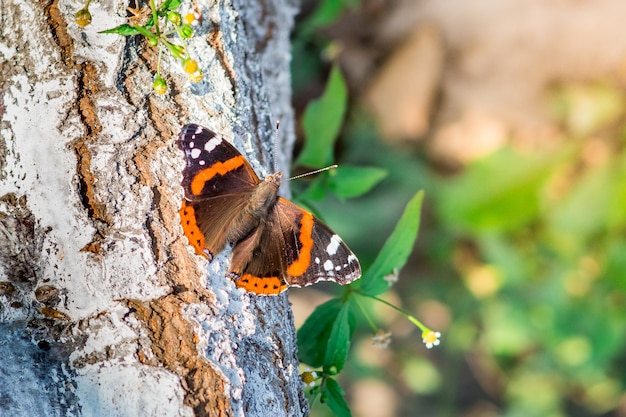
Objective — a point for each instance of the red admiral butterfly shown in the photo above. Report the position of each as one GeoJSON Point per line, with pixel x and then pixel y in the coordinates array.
{"type": "Point", "coordinates": [276, 244]}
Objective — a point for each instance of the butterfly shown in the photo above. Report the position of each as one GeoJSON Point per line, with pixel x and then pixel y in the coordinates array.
{"type": "Point", "coordinates": [276, 243]}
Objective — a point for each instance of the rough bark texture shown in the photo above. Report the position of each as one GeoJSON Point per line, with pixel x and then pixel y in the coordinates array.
{"type": "Point", "coordinates": [104, 309]}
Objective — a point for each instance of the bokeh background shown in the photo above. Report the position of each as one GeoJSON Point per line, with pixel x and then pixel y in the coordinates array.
{"type": "Point", "coordinates": [510, 114]}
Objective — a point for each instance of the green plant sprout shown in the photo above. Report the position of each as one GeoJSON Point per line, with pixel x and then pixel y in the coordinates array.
{"type": "Point", "coordinates": [157, 25]}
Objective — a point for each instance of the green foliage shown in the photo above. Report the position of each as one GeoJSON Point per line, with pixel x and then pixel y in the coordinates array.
{"type": "Point", "coordinates": [158, 25]}
{"type": "Point", "coordinates": [332, 395]}
{"type": "Point", "coordinates": [396, 250]}
{"type": "Point", "coordinates": [343, 182]}
{"type": "Point", "coordinates": [339, 339]}
{"type": "Point", "coordinates": [313, 335]}
{"type": "Point", "coordinates": [322, 122]}
{"type": "Point", "coordinates": [326, 13]}
{"type": "Point", "coordinates": [325, 337]}
{"type": "Point", "coordinates": [124, 29]}
{"type": "Point", "coordinates": [505, 182]}
{"type": "Point", "coordinates": [350, 181]}
{"type": "Point", "coordinates": [524, 251]}
{"type": "Point", "coordinates": [547, 234]}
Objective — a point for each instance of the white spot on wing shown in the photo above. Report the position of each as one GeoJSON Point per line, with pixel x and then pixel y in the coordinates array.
{"type": "Point", "coordinates": [328, 265]}
{"type": "Point", "coordinates": [195, 153]}
{"type": "Point", "coordinates": [198, 130]}
{"type": "Point", "coordinates": [317, 260]}
{"type": "Point", "coordinates": [332, 247]}
{"type": "Point", "coordinates": [212, 144]}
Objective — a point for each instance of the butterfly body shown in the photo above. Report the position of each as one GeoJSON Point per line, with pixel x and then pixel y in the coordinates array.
{"type": "Point", "coordinates": [276, 244]}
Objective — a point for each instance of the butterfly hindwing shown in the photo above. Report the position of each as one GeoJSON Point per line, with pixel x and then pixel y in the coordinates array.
{"type": "Point", "coordinates": [258, 263]}
{"type": "Point", "coordinates": [299, 250]}
{"type": "Point", "coordinates": [313, 251]}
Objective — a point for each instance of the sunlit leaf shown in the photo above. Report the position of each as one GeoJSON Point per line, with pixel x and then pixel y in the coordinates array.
{"type": "Point", "coordinates": [123, 29]}
{"type": "Point", "coordinates": [322, 122]}
{"type": "Point", "coordinates": [349, 181]}
{"type": "Point", "coordinates": [396, 250]}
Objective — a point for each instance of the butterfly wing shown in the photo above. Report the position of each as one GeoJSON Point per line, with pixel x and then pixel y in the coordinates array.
{"type": "Point", "coordinates": [258, 264]}
{"type": "Point", "coordinates": [217, 181]}
{"type": "Point", "coordinates": [293, 248]}
{"type": "Point", "coordinates": [315, 253]}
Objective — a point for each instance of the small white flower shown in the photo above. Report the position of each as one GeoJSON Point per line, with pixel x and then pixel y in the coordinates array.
{"type": "Point", "coordinates": [431, 338]}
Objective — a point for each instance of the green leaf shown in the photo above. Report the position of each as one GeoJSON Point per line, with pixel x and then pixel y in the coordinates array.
{"type": "Point", "coordinates": [583, 213]}
{"type": "Point", "coordinates": [322, 122]}
{"type": "Point", "coordinates": [350, 182]}
{"type": "Point", "coordinates": [123, 29]}
{"type": "Point", "coordinates": [396, 249]}
{"type": "Point", "coordinates": [327, 12]}
{"type": "Point", "coordinates": [332, 396]}
{"type": "Point", "coordinates": [169, 5]}
{"type": "Point", "coordinates": [499, 193]}
{"type": "Point", "coordinates": [339, 340]}
{"type": "Point", "coordinates": [344, 182]}
{"type": "Point", "coordinates": [314, 333]}
{"type": "Point", "coordinates": [316, 191]}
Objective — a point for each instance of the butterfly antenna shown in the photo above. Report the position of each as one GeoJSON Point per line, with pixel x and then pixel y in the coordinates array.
{"type": "Point", "coordinates": [306, 174]}
{"type": "Point", "coordinates": [276, 147]}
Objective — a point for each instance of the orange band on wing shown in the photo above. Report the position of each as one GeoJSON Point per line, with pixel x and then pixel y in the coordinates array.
{"type": "Point", "coordinates": [300, 265]}
{"type": "Point", "coordinates": [258, 285]}
{"type": "Point", "coordinates": [218, 168]}
{"type": "Point", "coordinates": [191, 230]}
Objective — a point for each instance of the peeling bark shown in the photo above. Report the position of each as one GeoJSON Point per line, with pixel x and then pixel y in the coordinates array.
{"type": "Point", "coordinates": [104, 309]}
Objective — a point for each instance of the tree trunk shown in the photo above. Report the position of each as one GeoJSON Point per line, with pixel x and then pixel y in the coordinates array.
{"type": "Point", "coordinates": [104, 308]}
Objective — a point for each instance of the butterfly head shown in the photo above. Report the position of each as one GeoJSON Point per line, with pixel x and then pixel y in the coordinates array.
{"type": "Point", "coordinates": [274, 178]}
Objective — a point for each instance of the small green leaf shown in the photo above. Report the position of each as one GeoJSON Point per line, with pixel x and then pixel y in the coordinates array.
{"type": "Point", "coordinates": [322, 121]}
{"type": "Point", "coordinates": [396, 249]}
{"type": "Point", "coordinates": [123, 29]}
{"type": "Point", "coordinates": [316, 191]}
{"type": "Point", "coordinates": [333, 398]}
{"type": "Point", "coordinates": [314, 333]}
{"type": "Point", "coordinates": [169, 5]}
{"type": "Point", "coordinates": [339, 340]}
{"type": "Point", "coordinates": [327, 12]}
{"type": "Point", "coordinates": [350, 181]}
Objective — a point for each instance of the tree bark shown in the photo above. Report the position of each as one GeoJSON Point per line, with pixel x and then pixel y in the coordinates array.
{"type": "Point", "coordinates": [104, 308]}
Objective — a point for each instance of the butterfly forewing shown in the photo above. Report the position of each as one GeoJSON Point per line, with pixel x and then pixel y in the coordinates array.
{"type": "Point", "coordinates": [217, 181]}
{"type": "Point", "coordinates": [214, 166]}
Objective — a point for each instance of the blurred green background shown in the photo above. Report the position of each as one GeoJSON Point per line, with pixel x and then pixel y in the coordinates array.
{"type": "Point", "coordinates": [511, 116]}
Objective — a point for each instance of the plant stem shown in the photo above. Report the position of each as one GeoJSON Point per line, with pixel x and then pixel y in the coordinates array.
{"type": "Point", "coordinates": [155, 18]}
{"type": "Point", "coordinates": [399, 310]}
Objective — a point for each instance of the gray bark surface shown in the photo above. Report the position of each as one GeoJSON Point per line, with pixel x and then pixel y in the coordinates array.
{"type": "Point", "coordinates": [104, 308]}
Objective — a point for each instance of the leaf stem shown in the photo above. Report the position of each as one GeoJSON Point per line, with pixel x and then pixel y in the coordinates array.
{"type": "Point", "coordinates": [412, 319]}
{"type": "Point", "coordinates": [155, 18]}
